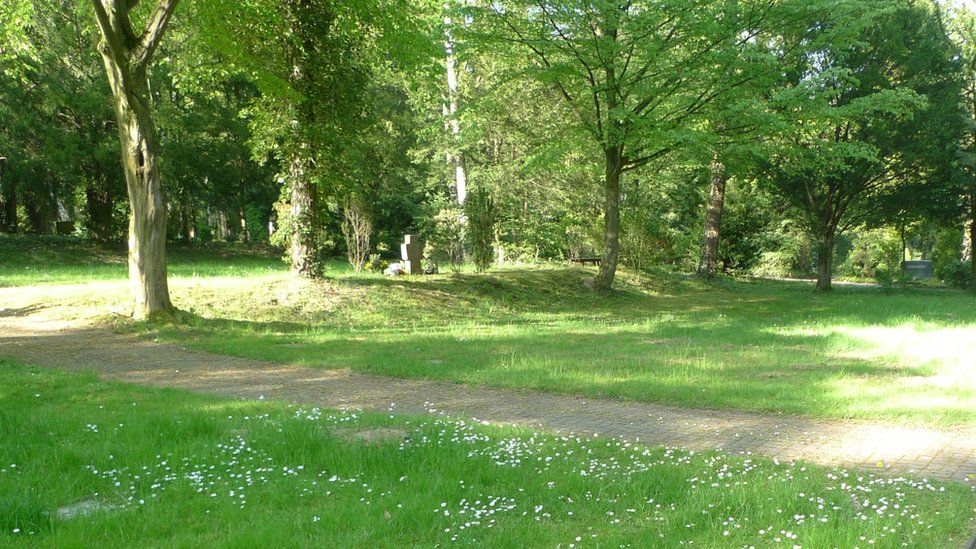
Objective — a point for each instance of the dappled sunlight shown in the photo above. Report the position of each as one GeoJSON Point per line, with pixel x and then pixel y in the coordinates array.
{"type": "Point", "coordinates": [917, 344]}
{"type": "Point", "coordinates": [942, 357]}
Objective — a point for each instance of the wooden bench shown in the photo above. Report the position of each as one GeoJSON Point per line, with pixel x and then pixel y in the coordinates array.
{"type": "Point", "coordinates": [584, 261]}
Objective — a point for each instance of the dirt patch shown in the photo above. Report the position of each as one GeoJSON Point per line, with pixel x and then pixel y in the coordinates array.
{"type": "Point", "coordinates": [379, 435]}
{"type": "Point", "coordinates": [84, 508]}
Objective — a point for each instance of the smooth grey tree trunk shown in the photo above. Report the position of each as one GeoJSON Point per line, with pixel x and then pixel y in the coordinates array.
{"type": "Point", "coordinates": [455, 157]}
{"type": "Point", "coordinates": [711, 237]}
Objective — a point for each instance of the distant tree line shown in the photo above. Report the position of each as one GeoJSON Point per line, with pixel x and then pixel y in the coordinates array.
{"type": "Point", "coordinates": [784, 137]}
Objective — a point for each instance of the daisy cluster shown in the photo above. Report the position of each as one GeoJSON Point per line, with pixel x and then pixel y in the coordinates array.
{"type": "Point", "coordinates": [565, 468]}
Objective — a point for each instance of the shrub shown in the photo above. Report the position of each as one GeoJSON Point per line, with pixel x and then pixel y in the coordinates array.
{"type": "Point", "coordinates": [873, 251]}
{"type": "Point", "coordinates": [955, 274]}
{"type": "Point", "coordinates": [445, 240]}
{"type": "Point", "coordinates": [357, 227]}
{"type": "Point", "coordinates": [481, 214]}
{"type": "Point", "coordinates": [792, 253]}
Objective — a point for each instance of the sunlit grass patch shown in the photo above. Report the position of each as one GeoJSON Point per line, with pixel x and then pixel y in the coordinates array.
{"type": "Point", "coordinates": [660, 337]}
{"type": "Point", "coordinates": [163, 467]}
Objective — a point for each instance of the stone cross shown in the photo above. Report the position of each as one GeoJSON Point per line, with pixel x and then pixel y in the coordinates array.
{"type": "Point", "coordinates": [412, 254]}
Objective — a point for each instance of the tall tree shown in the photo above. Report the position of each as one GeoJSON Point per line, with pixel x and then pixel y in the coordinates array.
{"type": "Point", "coordinates": [638, 76]}
{"type": "Point", "coordinates": [312, 61]}
{"type": "Point", "coordinates": [963, 200]}
{"type": "Point", "coordinates": [714, 207]}
{"type": "Point", "coordinates": [127, 57]}
{"type": "Point", "coordinates": [454, 156]}
{"type": "Point", "coordinates": [871, 104]}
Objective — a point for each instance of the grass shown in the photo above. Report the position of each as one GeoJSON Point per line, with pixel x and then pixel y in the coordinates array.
{"type": "Point", "coordinates": [29, 261]}
{"type": "Point", "coordinates": [173, 469]}
{"type": "Point", "coordinates": [765, 346]}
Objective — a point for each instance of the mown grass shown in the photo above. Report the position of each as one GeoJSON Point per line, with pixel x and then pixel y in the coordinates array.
{"type": "Point", "coordinates": [27, 261]}
{"type": "Point", "coordinates": [773, 347]}
{"type": "Point", "coordinates": [865, 353]}
{"type": "Point", "coordinates": [173, 469]}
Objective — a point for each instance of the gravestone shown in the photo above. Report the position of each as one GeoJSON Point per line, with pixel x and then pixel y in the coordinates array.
{"type": "Point", "coordinates": [64, 228]}
{"type": "Point", "coordinates": [412, 254]}
{"type": "Point", "coordinates": [919, 270]}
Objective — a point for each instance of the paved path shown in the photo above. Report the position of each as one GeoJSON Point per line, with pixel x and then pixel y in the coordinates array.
{"type": "Point", "coordinates": [948, 455]}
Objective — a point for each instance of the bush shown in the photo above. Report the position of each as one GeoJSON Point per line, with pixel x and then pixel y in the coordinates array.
{"type": "Point", "coordinates": [792, 253]}
{"type": "Point", "coordinates": [873, 251]}
{"type": "Point", "coordinates": [955, 274]}
{"type": "Point", "coordinates": [357, 227]}
{"type": "Point", "coordinates": [257, 218]}
{"type": "Point", "coordinates": [480, 211]}
{"type": "Point", "coordinates": [445, 240]}
{"type": "Point", "coordinates": [948, 248]}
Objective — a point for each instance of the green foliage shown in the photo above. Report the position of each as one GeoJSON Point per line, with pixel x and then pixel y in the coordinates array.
{"type": "Point", "coordinates": [445, 238]}
{"type": "Point", "coordinates": [749, 214]}
{"type": "Point", "coordinates": [874, 253]}
{"type": "Point", "coordinates": [955, 274]}
{"type": "Point", "coordinates": [948, 246]}
{"type": "Point", "coordinates": [481, 215]}
{"type": "Point", "coordinates": [789, 252]}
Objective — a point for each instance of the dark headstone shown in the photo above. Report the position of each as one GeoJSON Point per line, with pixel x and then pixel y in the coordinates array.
{"type": "Point", "coordinates": [412, 254]}
{"type": "Point", "coordinates": [64, 228]}
{"type": "Point", "coordinates": [919, 270]}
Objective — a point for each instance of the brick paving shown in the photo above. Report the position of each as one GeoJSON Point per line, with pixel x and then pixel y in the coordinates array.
{"type": "Point", "coordinates": [948, 454]}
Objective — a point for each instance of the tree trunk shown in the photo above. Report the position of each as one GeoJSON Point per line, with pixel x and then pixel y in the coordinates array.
{"type": "Point", "coordinates": [187, 220]}
{"type": "Point", "coordinates": [904, 248]}
{"type": "Point", "coordinates": [245, 235]}
{"type": "Point", "coordinates": [455, 157]}
{"type": "Point", "coordinates": [98, 203]}
{"type": "Point", "coordinates": [126, 57]}
{"type": "Point", "coordinates": [972, 237]}
{"type": "Point", "coordinates": [611, 219]}
{"type": "Point", "coordinates": [707, 266]}
{"type": "Point", "coordinates": [38, 214]}
{"type": "Point", "coordinates": [825, 261]}
{"type": "Point", "coordinates": [8, 203]}
{"type": "Point", "coordinates": [224, 228]}
{"type": "Point", "coordinates": [303, 208]}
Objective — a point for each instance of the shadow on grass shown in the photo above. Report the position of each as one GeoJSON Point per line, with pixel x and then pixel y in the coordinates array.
{"type": "Point", "coordinates": [719, 364]}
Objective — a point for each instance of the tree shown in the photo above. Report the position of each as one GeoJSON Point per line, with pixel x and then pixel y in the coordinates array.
{"type": "Point", "coordinates": [713, 218]}
{"type": "Point", "coordinates": [870, 104]}
{"type": "Point", "coordinates": [637, 76]}
{"type": "Point", "coordinates": [127, 57]}
{"type": "Point", "coordinates": [961, 201]}
{"type": "Point", "coordinates": [455, 157]}
{"type": "Point", "coordinates": [313, 62]}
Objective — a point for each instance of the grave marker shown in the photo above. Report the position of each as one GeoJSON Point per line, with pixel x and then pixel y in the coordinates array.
{"type": "Point", "coordinates": [412, 254]}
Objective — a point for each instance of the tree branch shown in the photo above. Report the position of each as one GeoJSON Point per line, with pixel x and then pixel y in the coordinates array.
{"type": "Point", "coordinates": [110, 37]}
{"type": "Point", "coordinates": [155, 28]}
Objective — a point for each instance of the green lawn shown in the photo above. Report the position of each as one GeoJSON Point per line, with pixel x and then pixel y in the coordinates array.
{"type": "Point", "coordinates": [902, 356]}
{"type": "Point", "coordinates": [27, 261]}
{"type": "Point", "coordinates": [173, 469]}
{"type": "Point", "coordinates": [857, 353]}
